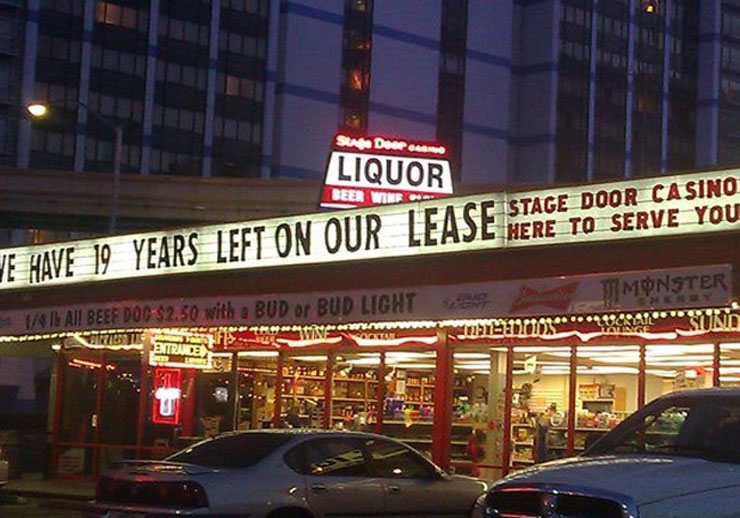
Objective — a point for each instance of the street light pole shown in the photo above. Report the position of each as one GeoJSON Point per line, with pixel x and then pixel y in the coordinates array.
{"type": "Point", "coordinates": [38, 110]}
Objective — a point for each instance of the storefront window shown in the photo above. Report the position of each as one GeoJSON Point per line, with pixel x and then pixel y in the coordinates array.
{"type": "Point", "coordinates": [120, 409]}
{"type": "Point", "coordinates": [607, 391]}
{"type": "Point", "coordinates": [257, 377]}
{"type": "Point", "coordinates": [478, 411]}
{"type": "Point", "coordinates": [77, 431]}
{"type": "Point", "coordinates": [539, 406]}
{"type": "Point", "coordinates": [354, 401]}
{"type": "Point", "coordinates": [729, 371]}
{"type": "Point", "coordinates": [409, 406]}
{"type": "Point", "coordinates": [671, 367]}
{"type": "Point", "coordinates": [304, 378]}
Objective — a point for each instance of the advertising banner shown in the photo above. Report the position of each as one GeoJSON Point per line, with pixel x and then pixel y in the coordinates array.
{"type": "Point", "coordinates": [694, 287]}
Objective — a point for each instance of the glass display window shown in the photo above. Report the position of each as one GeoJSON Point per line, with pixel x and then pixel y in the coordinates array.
{"type": "Point", "coordinates": [478, 385]}
{"type": "Point", "coordinates": [540, 393]}
{"type": "Point", "coordinates": [671, 367]}
{"type": "Point", "coordinates": [257, 383]}
{"type": "Point", "coordinates": [408, 406]}
{"type": "Point", "coordinates": [729, 365]}
{"type": "Point", "coordinates": [354, 403]}
{"type": "Point", "coordinates": [303, 382]}
{"type": "Point", "coordinates": [607, 386]}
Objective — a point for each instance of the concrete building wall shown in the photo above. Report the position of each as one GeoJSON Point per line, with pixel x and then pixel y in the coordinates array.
{"type": "Point", "coordinates": [405, 69]}
{"type": "Point", "coordinates": [486, 126]}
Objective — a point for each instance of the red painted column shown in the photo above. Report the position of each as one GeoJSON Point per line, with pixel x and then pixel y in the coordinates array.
{"type": "Point", "coordinates": [278, 390]}
{"type": "Point", "coordinates": [716, 365]}
{"type": "Point", "coordinates": [188, 402]}
{"type": "Point", "coordinates": [380, 394]}
{"type": "Point", "coordinates": [58, 407]}
{"type": "Point", "coordinates": [143, 392]}
{"type": "Point", "coordinates": [572, 401]}
{"type": "Point", "coordinates": [98, 414]}
{"type": "Point", "coordinates": [641, 377]}
{"type": "Point", "coordinates": [442, 402]}
{"type": "Point", "coordinates": [508, 392]}
{"type": "Point", "coordinates": [328, 381]}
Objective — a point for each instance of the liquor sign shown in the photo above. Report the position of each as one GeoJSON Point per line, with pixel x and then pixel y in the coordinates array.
{"type": "Point", "coordinates": [365, 171]}
{"type": "Point", "coordinates": [167, 396]}
{"type": "Point", "coordinates": [179, 349]}
{"type": "Point", "coordinates": [698, 203]}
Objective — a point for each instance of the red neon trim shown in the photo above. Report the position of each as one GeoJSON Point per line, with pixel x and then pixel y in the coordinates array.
{"type": "Point", "coordinates": [166, 379]}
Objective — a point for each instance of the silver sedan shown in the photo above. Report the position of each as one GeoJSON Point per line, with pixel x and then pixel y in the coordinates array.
{"type": "Point", "coordinates": [288, 473]}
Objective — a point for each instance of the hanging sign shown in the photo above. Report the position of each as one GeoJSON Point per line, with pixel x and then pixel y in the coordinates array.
{"type": "Point", "coordinates": [365, 171]}
{"type": "Point", "coordinates": [179, 349]}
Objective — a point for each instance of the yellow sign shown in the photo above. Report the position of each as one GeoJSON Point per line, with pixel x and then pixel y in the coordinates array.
{"type": "Point", "coordinates": [187, 350]}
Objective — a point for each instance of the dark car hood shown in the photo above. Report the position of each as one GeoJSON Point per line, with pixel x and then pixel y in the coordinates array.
{"type": "Point", "coordinates": [644, 478]}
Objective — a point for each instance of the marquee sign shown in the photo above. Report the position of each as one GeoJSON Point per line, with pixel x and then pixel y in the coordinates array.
{"type": "Point", "coordinates": [650, 207]}
{"type": "Point", "coordinates": [366, 171]}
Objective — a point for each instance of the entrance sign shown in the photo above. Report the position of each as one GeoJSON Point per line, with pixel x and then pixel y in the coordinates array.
{"type": "Point", "coordinates": [177, 349]}
{"type": "Point", "coordinates": [648, 290]}
{"type": "Point", "coordinates": [366, 171]}
{"type": "Point", "coordinates": [696, 203]}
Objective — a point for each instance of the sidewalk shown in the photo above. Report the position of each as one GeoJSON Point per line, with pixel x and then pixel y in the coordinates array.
{"type": "Point", "coordinates": [74, 491]}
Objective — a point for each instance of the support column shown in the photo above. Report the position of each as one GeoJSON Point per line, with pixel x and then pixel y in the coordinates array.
{"type": "Point", "coordinates": [58, 408]}
{"type": "Point", "coordinates": [234, 392]}
{"type": "Point", "coordinates": [442, 402]}
{"type": "Point", "coordinates": [641, 377]}
{"type": "Point", "coordinates": [380, 394]}
{"type": "Point", "coordinates": [328, 389]}
{"type": "Point", "coordinates": [716, 365]}
{"type": "Point", "coordinates": [572, 382]}
{"type": "Point", "coordinates": [506, 455]}
{"type": "Point", "coordinates": [278, 390]}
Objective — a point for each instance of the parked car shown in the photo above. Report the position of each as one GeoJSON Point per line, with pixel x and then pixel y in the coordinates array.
{"type": "Point", "coordinates": [287, 473]}
{"type": "Point", "coordinates": [678, 457]}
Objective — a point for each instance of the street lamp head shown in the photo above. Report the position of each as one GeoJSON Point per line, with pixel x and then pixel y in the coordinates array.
{"type": "Point", "coordinates": [37, 109]}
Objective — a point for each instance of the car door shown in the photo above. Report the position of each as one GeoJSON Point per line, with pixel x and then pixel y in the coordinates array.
{"type": "Point", "coordinates": [413, 486]}
{"type": "Point", "coordinates": [338, 480]}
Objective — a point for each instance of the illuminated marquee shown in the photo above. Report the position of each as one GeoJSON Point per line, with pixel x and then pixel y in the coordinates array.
{"type": "Point", "coordinates": [650, 207]}
{"type": "Point", "coordinates": [366, 171]}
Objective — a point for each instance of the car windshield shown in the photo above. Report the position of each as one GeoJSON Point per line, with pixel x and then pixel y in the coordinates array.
{"type": "Point", "coordinates": [705, 427]}
{"type": "Point", "coordinates": [231, 451]}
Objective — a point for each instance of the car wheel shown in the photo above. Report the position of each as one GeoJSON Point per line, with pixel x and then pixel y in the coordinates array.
{"type": "Point", "coordinates": [290, 512]}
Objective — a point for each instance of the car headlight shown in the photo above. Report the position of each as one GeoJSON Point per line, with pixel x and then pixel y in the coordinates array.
{"type": "Point", "coordinates": [479, 509]}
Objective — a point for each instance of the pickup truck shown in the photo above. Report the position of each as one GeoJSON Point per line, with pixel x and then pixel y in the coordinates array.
{"type": "Point", "coordinates": [677, 457]}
